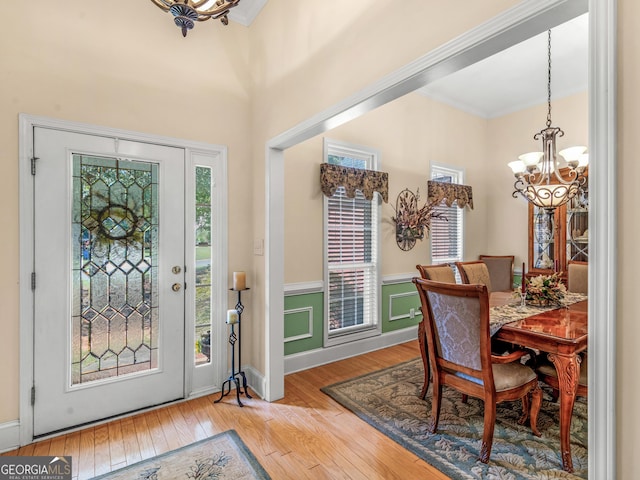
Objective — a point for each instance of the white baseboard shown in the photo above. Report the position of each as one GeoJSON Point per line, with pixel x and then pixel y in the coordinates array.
{"type": "Point", "coordinates": [9, 436]}
{"type": "Point", "coordinates": [321, 356]}
{"type": "Point", "coordinates": [255, 380]}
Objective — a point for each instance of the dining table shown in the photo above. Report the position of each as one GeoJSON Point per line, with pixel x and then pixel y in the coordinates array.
{"type": "Point", "coordinates": [560, 331]}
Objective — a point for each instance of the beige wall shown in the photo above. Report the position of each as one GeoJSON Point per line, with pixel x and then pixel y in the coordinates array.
{"type": "Point", "coordinates": [510, 136]}
{"type": "Point", "coordinates": [628, 326]}
{"type": "Point", "coordinates": [127, 68]}
{"type": "Point", "coordinates": [410, 133]}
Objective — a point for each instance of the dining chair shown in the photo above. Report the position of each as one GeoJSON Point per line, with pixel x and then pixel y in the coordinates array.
{"type": "Point", "coordinates": [438, 273]}
{"type": "Point", "coordinates": [475, 272]}
{"type": "Point", "coordinates": [578, 276]}
{"type": "Point", "coordinates": [548, 374]}
{"type": "Point", "coordinates": [459, 345]}
{"type": "Point", "coordinates": [500, 271]}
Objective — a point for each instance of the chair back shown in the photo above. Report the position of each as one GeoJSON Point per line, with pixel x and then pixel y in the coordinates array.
{"type": "Point", "coordinates": [475, 272]}
{"type": "Point", "coordinates": [500, 271]}
{"type": "Point", "coordinates": [437, 273]}
{"type": "Point", "coordinates": [578, 276]}
{"type": "Point", "coordinates": [457, 326]}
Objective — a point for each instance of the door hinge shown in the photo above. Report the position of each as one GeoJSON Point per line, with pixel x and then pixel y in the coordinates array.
{"type": "Point", "coordinates": [33, 280]}
{"type": "Point", "coordinates": [33, 165]}
{"type": "Point", "coordinates": [33, 395]}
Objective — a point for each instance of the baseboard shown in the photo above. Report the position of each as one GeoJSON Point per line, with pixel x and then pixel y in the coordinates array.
{"type": "Point", "coordinates": [9, 436]}
{"type": "Point", "coordinates": [321, 356]}
{"type": "Point", "coordinates": [255, 380]}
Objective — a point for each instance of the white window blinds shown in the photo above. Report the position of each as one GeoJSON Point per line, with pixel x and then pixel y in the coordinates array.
{"type": "Point", "coordinates": [351, 253]}
{"type": "Point", "coordinates": [447, 235]}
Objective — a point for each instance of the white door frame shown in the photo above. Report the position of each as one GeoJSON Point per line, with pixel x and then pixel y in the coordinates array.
{"type": "Point", "coordinates": [514, 25]}
{"type": "Point", "coordinates": [194, 152]}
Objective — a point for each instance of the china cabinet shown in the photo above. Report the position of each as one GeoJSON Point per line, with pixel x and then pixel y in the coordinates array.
{"type": "Point", "coordinates": [558, 236]}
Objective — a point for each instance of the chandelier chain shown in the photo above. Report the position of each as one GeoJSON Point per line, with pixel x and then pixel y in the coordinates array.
{"type": "Point", "coordinates": [549, 79]}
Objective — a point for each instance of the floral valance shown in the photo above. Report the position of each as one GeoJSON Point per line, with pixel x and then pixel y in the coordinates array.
{"type": "Point", "coordinates": [352, 179]}
{"type": "Point", "coordinates": [449, 193]}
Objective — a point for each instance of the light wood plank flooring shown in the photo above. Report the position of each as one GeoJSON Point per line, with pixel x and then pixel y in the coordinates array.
{"type": "Point", "coordinates": [306, 435]}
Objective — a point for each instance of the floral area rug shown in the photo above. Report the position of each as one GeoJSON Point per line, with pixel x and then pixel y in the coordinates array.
{"type": "Point", "coordinates": [389, 401]}
{"type": "Point", "coordinates": [223, 456]}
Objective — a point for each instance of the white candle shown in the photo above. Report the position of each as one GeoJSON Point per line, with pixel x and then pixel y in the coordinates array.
{"type": "Point", "coordinates": [239, 281]}
{"type": "Point", "coordinates": [232, 317]}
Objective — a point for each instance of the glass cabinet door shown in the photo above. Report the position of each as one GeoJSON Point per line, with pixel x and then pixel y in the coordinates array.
{"type": "Point", "coordinates": [577, 239]}
{"type": "Point", "coordinates": [543, 239]}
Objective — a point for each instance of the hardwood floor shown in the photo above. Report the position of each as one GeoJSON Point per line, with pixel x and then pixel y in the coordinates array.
{"type": "Point", "coordinates": [306, 435]}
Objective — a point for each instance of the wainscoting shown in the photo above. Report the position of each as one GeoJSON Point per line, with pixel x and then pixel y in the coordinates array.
{"type": "Point", "coordinates": [304, 314]}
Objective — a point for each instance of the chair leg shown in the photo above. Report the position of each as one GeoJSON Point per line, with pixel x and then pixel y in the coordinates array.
{"type": "Point", "coordinates": [489, 425]}
{"type": "Point", "coordinates": [465, 398]}
{"type": "Point", "coordinates": [526, 408]}
{"type": "Point", "coordinates": [436, 399]}
{"type": "Point", "coordinates": [536, 402]}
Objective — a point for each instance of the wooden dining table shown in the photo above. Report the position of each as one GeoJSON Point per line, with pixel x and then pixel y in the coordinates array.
{"type": "Point", "coordinates": [562, 334]}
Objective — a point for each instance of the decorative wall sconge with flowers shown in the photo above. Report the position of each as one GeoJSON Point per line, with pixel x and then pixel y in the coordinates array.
{"type": "Point", "coordinates": [412, 221]}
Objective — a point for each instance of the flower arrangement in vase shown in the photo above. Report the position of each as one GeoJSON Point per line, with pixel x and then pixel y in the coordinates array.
{"type": "Point", "coordinates": [545, 290]}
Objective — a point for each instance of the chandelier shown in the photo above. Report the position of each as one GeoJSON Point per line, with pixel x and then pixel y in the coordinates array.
{"type": "Point", "coordinates": [186, 12]}
{"type": "Point", "coordinates": [539, 178]}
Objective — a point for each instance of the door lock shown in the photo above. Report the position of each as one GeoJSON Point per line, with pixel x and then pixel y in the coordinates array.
{"type": "Point", "coordinates": [176, 269]}
{"type": "Point", "coordinates": [176, 287]}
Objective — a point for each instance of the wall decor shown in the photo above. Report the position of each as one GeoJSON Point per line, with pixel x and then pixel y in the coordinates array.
{"type": "Point", "coordinates": [412, 221]}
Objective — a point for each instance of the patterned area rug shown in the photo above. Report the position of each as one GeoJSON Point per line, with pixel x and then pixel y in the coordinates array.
{"type": "Point", "coordinates": [223, 456]}
{"type": "Point", "coordinates": [388, 400]}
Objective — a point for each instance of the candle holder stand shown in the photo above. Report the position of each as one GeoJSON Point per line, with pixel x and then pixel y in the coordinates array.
{"type": "Point", "coordinates": [236, 376]}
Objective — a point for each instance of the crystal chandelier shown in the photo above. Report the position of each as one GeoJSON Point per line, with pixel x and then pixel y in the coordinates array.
{"type": "Point", "coordinates": [186, 12]}
{"type": "Point", "coordinates": [539, 178]}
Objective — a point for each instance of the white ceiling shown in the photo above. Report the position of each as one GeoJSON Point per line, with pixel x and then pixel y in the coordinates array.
{"type": "Point", "coordinates": [246, 11]}
{"type": "Point", "coordinates": [516, 78]}
{"type": "Point", "coordinates": [506, 82]}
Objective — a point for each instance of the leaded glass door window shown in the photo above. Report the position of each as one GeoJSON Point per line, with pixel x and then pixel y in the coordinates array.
{"type": "Point", "coordinates": [109, 262]}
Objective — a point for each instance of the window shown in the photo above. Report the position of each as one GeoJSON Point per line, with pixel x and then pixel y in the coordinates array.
{"type": "Point", "coordinates": [447, 235]}
{"type": "Point", "coordinates": [351, 253]}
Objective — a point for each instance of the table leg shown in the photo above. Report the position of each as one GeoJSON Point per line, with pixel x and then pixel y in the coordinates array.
{"type": "Point", "coordinates": [568, 369]}
{"type": "Point", "coordinates": [422, 341]}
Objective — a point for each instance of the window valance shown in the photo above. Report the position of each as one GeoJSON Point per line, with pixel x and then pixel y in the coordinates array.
{"type": "Point", "coordinates": [449, 193]}
{"type": "Point", "coordinates": [352, 179]}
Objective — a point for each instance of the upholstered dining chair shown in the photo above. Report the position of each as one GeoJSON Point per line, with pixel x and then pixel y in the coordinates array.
{"type": "Point", "coordinates": [475, 272]}
{"type": "Point", "coordinates": [459, 345]}
{"type": "Point", "coordinates": [578, 276]}
{"type": "Point", "coordinates": [438, 273]}
{"type": "Point", "coordinates": [548, 374]}
{"type": "Point", "coordinates": [500, 271]}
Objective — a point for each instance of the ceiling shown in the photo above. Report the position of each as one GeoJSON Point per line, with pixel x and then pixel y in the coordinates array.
{"type": "Point", "coordinates": [506, 82]}
{"type": "Point", "coordinates": [516, 78]}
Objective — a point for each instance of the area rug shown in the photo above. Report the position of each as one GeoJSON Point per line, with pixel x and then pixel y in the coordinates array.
{"type": "Point", "coordinates": [223, 456]}
{"type": "Point", "coordinates": [389, 401]}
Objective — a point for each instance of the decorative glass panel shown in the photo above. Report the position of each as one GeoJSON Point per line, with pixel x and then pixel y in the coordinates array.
{"type": "Point", "coordinates": [203, 265]}
{"type": "Point", "coordinates": [115, 250]}
{"type": "Point", "coordinates": [578, 229]}
{"type": "Point", "coordinates": [543, 239]}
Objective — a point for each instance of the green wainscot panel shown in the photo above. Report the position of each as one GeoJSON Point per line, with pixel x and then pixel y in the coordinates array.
{"type": "Point", "coordinates": [303, 316]}
{"type": "Point", "coordinates": [400, 306]}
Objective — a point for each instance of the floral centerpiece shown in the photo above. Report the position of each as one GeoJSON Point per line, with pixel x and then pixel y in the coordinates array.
{"type": "Point", "coordinates": [545, 289]}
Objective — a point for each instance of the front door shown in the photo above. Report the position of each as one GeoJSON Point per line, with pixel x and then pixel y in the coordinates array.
{"type": "Point", "coordinates": [109, 277]}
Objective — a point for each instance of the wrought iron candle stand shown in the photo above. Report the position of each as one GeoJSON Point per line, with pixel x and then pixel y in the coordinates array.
{"type": "Point", "coordinates": [233, 339]}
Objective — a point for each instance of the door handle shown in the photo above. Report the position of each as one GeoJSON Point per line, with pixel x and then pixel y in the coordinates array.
{"type": "Point", "coordinates": [176, 287]}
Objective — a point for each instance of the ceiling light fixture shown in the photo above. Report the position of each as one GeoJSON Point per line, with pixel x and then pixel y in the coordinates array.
{"type": "Point", "coordinates": [539, 178]}
{"type": "Point", "coordinates": [186, 12]}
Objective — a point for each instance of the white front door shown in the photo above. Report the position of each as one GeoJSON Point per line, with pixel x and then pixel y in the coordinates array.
{"type": "Point", "coordinates": [109, 277]}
